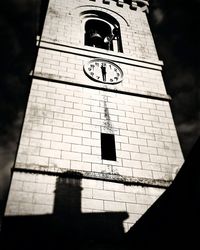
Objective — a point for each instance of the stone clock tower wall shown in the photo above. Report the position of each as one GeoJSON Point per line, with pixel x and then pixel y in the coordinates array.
{"type": "Point", "coordinates": [68, 112]}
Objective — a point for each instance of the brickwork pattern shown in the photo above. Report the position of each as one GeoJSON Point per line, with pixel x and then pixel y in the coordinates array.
{"type": "Point", "coordinates": [64, 66]}
{"type": "Point", "coordinates": [64, 25]}
{"type": "Point", "coordinates": [34, 194]}
{"type": "Point", "coordinates": [63, 125]}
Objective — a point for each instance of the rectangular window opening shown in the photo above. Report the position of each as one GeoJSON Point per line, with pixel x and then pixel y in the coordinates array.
{"type": "Point", "coordinates": [108, 151]}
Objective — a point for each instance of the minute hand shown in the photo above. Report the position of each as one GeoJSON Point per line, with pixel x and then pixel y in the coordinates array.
{"type": "Point", "coordinates": [103, 71]}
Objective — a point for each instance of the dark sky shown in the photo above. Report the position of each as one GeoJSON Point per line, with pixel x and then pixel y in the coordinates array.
{"type": "Point", "coordinates": [175, 27]}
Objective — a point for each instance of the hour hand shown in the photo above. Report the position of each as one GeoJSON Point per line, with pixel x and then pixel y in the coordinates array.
{"type": "Point", "coordinates": [103, 71]}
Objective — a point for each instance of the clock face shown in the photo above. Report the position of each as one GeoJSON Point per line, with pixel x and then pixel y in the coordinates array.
{"type": "Point", "coordinates": [102, 70]}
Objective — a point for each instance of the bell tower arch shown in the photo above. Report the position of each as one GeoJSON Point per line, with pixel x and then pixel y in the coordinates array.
{"type": "Point", "coordinates": [97, 108]}
{"type": "Point", "coordinates": [101, 31]}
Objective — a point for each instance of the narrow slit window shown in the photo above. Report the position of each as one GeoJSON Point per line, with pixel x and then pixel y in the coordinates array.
{"type": "Point", "coordinates": [108, 150]}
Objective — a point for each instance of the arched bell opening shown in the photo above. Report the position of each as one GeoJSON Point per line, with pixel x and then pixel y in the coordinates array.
{"type": "Point", "coordinates": [101, 31]}
{"type": "Point", "coordinates": [96, 34]}
{"type": "Point", "coordinates": [99, 34]}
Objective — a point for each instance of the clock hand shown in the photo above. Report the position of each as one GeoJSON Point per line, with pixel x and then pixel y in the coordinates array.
{"type": "Point", "coordinates": [103, 71]}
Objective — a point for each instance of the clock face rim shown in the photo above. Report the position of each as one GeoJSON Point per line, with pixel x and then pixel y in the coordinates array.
{"type": "Point", "coordinates": [87, 72]}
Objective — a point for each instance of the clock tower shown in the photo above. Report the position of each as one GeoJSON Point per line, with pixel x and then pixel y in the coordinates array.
{"type": "Point", "coordinates": [98, 139]}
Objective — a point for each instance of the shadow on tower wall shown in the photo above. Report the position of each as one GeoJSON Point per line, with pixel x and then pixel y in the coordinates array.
{"type": "Point", "coordinates": [66, 227]}
{"type": "Point", "coordinates": [172, 221]}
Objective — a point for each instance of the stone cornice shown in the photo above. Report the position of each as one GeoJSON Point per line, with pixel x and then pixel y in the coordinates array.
{"type": "Point", "coordinates": [102, 176]}
{"type": "Point", "coordinates": [91, 52]}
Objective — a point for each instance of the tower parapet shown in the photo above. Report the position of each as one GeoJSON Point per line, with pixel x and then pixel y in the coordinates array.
{"type": "Point", "coordinates": [134, 4]}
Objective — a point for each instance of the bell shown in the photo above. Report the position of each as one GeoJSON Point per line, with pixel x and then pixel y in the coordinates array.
{"type": "Point", "coordinates": [115, 31]}
{"type": "Point", "coordinates": [96, 39]}
{"type": "Point", "coordinates": [107, 39]}
{"type": "Point", "coordinates": [96, 36]}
